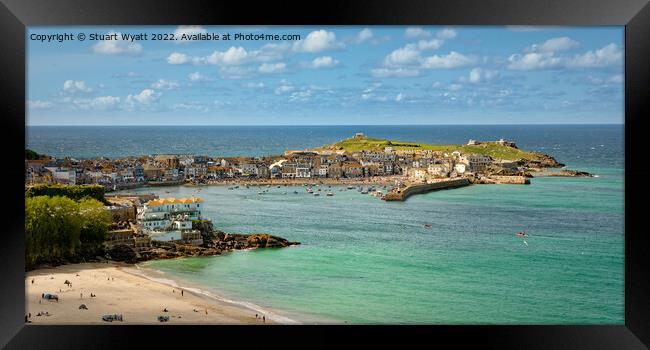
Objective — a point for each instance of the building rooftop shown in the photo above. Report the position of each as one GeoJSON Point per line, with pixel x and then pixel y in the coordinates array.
{"type": "Point", "coordinates": [163, 201]}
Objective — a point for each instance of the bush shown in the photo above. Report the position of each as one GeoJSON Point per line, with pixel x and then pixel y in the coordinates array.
{"type": "Point", "coordinates": [76, 192]}
{"type": "Point", "coordinates": [59, 228]}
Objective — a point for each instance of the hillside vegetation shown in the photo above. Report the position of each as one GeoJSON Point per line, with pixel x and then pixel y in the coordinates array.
{"type": "Point", "coordinates": [491, 149]}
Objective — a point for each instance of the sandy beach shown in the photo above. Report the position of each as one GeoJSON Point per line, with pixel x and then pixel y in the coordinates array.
{"type": "Point", "coordinates": [118, 289]}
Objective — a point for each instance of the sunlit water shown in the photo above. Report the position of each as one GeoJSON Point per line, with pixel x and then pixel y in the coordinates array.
{"type": "Point", "coordinates": [363, 260]}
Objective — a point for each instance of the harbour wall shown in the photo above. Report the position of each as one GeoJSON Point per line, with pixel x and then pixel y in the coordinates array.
{"type": "Point", "coordinates": [404, 193]}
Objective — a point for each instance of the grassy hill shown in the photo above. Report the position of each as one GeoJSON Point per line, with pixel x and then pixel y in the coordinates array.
{"type": "Point", "coordinates": [491, 149]}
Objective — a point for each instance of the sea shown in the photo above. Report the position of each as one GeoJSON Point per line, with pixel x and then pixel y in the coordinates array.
{"type": "Point", "coordinates": [366, 261]}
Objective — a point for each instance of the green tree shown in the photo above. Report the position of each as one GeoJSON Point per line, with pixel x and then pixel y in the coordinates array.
{"type": "Point", "coordinates": [31, 155]}
{"type": "Point", "coordinates": [58, 227]}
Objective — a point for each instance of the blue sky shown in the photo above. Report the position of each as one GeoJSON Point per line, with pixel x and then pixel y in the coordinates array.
{"type": "Point", "coordinates": [333, 75]}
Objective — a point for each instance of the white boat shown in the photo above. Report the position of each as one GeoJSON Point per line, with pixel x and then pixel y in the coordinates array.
{"type": "Point", "coordinates": [330, 194]}
{"type": "Point", "coordinates": [316, 194]}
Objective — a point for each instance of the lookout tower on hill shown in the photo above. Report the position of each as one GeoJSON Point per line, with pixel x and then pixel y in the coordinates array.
{"type": "Point", "coordinates": [359, 135]}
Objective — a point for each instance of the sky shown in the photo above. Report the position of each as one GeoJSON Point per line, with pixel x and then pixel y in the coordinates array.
{"type": "Point", "coordinates": [332, 75]}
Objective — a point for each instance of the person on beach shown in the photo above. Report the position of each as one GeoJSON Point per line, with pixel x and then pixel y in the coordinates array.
{"type": "Point", "coordinates": [263, 318]}
{"type": "Point", "coordinates": [32, 281]}
{"type": "Point", "coordinates": [181, 292]}
{"type": "Point", "coordinates": [81, 295]}
{"type": "Point", "coordinates": [255, 316]}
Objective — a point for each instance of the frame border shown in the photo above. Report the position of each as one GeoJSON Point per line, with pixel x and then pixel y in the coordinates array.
{"type": "Point", "coordinates": [15, 15]}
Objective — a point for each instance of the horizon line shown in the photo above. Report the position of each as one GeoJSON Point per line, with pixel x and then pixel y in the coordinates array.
{"type": "Point", "coordinates": [302, 125]}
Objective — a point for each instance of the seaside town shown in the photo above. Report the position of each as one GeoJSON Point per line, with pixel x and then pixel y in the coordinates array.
{"type": "Point", "coordinates": [123, 227]}
{"type": "Point", "coordinates": [302, 166]}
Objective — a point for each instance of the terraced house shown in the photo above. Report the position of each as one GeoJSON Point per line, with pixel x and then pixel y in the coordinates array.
{"type": "Point", "coordinates": [170, 213]}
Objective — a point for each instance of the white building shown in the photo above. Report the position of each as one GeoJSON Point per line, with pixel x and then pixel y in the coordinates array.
{"type": "Point", "coordinates": [303, 171]}
{"type": "Point", "coordinates": [476, 162]}
{"type": "Point", "coordinates": [322, 171]}
{"type": "Point", "coordinates": [63, 176]}
{"type": "Point", "coordinates": [170, 213]}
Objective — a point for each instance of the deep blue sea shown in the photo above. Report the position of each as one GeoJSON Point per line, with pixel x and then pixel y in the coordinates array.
{"type": "Point", "coordinates": [366, 261]}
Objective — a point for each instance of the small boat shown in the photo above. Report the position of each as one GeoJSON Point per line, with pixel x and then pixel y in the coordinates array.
{"type": "Point", "coordinates": [319, 189]}
{"type": "Point", "coordinates": [350, 187]}
{"type": "Point", "coordinates": [521, 234]}
{"type": "Point", "coordinates": [278, 186]}
{"type": "Point", "coordinates": [330, 194]}
{"type": "Point", "coordinates": [237, 186]}
{"type": "Point", "coordinates": [427, 225]}
{"type": "Point", "coordinates": [316, 194]}
{"type": "Point", "coordinates": [295, 192]}
{"type": "Point", "coordinates": [259, 192]}
{"type": "Point", "coordinates": [230, 188]}
{"type": "Point", "coordinates": [364, 192]}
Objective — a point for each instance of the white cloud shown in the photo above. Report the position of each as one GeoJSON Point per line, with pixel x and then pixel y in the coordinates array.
{"type": "Point", "coordinates": [446, 34]}
{"type": "Point", "coordinates": [117, 47]}
{"type": "Point", "coordinates": [284, 87]}
{"type": "Point", "coordinates": [232, 56]}
{"type": "Point", "coordinates": [607, 56]}
{"type": "Point", "coordinates": [254, 85]}
{"type": "Point", "coordinates": [270, 68]}
{"type": "Point", "coordinates": [235, 72]}
{"type": "Point", "coordinates": [187, 31]}
{"type": "Point", "coordinates": [394, 73]}
{"type": "Point", "coordinates": [317, 41]}
{"type": "Point", "coordinates": [196, 76]}
{"type": "Point", "coordinates": [105, 102]}
{"type": "Point", "coordinates": [407, 55]}
{"type": "Point", "coordinates": [190, 106]}
{"type": "Point", "coordinates": [38, 104]}
{"type": "Point", "coordinates": [73, 86]}
{"type": "Point", "coordinates": [364, 35]}
{"type": "Point", "coordinates": [399, 97]}
{"type": "Point", "coordinates": [163, 84]}
{"type": "Point", "coordinates": [478, 75]}
{"type": "Point", "coordinates": [145, 97]}
{"type": "Point", "coordinates": [416, 32]}
{"type": "Point", "coordinates": [301, 96]}
{"type": "Point", "coordinates": [449, 61]}
{"type": "Point", "coordinates": [323, 62]}
{"type": "Point", "coordinates": [97, 103]}
{"type": "Point", "coordinates": [433, 44]}
{"type": "Point", "coordinates": [553, 45]}
{"type": "Point", "coordinates": [177, 58]}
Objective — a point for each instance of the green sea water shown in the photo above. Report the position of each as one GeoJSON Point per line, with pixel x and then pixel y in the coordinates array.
{"type": "Point", "coordinates": [366, 261]}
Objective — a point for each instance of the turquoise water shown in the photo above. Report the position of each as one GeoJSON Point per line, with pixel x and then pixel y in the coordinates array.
{"type": "Point", "coordinates": [364, 261]}
{"type": "Point", "coordinates": [367, 261]}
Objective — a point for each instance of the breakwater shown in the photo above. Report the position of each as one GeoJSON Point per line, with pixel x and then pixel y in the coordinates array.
{"type": "Point", "coordinates": [401, 194]}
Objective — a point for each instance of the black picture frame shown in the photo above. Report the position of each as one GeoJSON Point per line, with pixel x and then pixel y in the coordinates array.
{"type": "Point", "coordinates": [15, 15]}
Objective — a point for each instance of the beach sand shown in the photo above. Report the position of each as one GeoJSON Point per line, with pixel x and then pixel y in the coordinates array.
{"type": "Point", "coordinates": [119, 290]}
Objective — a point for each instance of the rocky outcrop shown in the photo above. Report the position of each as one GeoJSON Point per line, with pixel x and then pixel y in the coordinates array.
{"type": "Point", "coordinates": [572, 173]}
{"type": "Point", "coordinates": [124, 253]}
{"type": "Point", "coordinates": [218, 243]}
{"type": "Point", "coordinates": [545, 161]}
